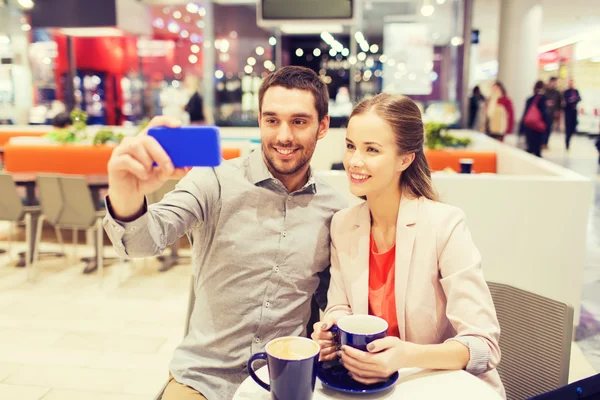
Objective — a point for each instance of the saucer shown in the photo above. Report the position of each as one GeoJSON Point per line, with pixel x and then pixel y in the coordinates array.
{"type": "Point", "coordinates": [333, 375]}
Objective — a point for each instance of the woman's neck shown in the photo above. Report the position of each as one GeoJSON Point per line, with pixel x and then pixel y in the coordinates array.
{"type": "Point", "coordinates": [384, 208]}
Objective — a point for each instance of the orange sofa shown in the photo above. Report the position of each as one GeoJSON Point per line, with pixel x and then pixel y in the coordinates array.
{"type": "Point", "coordinates": [67, 159]}
{"type": "Point", "coordinates": [483, 161]}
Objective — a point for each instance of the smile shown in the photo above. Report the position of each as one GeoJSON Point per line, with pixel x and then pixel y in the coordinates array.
{"type": "Point", "coordinates": [358, 178]}
{"type": "Point", "coordinates": [285, 153]}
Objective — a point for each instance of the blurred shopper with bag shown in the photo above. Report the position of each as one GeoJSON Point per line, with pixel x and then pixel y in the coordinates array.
{"type": "Point", "coordinates": [535, 123]}
{"type": "Point", "coordinates": [499, 115]}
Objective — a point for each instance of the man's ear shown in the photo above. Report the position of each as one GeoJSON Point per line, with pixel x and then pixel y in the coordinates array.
{"type": "Point", "coordinates": [323, 127]}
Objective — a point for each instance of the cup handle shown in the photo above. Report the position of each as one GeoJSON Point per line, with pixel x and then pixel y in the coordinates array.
{"type": "Point", "coordinates": [255, 357]}
{"type": "Point", "coordinates": [336, 334]}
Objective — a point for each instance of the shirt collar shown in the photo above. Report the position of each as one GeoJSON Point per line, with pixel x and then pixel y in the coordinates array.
{"type": "Point", "coordinates": [260, 173]}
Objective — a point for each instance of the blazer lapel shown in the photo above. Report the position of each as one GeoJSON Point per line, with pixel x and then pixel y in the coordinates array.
{"type": "Point", "coordinates": [405, 239]}
{"type": "Point", "coordinates": [360, 261]}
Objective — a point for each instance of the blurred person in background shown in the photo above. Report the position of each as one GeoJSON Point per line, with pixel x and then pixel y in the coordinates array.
{"type": "Point", "coordinates": [195, 107]}
{"type": "Point", "coordinates": [536, 121]}
{"type": "Point", "coordinates": [475, 106]}
{"type": "Point", "coordinates": [553, 106]}
{"type": "Point", "coordinates": [499, 113]}
{"type": "Point", "coordinates": [62, 120]}
{"type": "Point", "coordinates": [571, 98]}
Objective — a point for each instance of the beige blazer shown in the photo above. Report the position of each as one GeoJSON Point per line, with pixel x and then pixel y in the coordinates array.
{"type": "Point", "coordinates": [441, 293]}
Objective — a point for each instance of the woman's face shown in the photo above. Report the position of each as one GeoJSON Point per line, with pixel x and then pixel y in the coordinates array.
{"type": "Point", "coordinates": [497, 92]}
{"type": "Point", "coordinates": [371, 160]}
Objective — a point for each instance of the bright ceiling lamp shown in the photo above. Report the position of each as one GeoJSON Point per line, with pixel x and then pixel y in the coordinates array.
{"type": "Point", "coordinates": [427, 8]}
{"type": "Point", "coordinates": [28, 4]}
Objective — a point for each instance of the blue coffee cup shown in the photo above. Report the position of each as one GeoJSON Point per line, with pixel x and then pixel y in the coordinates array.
{"type": "Point", "coordinates": [292, 363]}
{"type": "Point", "coordinates": [359, 330]}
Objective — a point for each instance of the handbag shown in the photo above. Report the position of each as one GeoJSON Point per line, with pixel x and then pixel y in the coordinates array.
{"type": "Point", "coordinates": [533, 118]}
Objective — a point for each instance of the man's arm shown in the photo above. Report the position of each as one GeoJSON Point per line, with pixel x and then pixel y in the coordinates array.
{"type": "Point", "coordinates": [158, 226]}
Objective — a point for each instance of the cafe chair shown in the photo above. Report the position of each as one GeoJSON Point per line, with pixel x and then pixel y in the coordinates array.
{"type": "Point", "coordinates": [13, 210]}
{"type": "Point", "coordinates": [190, 308]}
{"type": "Point", "coordinates": [535, 341]}
{"type": "Point", "coordinates": [66, 203]}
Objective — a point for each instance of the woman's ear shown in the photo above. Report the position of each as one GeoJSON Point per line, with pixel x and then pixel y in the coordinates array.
{"type": "Point", "coordinates": [405, 161]}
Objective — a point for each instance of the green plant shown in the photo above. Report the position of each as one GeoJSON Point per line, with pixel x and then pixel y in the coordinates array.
{"type": "Point", "coordinates": [103, 136]}
{"type": "Point", "coordinates": [437, 137]}
{"type": "Point", "coordinates": [79, 118]}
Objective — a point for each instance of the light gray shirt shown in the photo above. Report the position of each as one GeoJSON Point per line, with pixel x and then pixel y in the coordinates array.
{"type": "Point", "coordinates": [256, 252]}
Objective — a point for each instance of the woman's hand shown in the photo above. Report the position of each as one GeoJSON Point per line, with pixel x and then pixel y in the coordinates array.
{"type": "Point", "coordinates": [384, 357]}
{"type": "Point", "coordinates": [325, 338]}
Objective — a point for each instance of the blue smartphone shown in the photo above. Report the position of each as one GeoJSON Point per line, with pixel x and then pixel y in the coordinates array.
{"type": "Point", "coordinates": [190, 146]}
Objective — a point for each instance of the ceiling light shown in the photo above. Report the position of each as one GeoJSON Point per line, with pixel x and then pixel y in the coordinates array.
{"type": "Point", "coordinates": [176, 69]}
{"type": "Point", "coordinates": [28, 4]}
{"type": "Point", "coordinates": [248, 69]}
{"type": "Point", "coordinates": [177, 14]}
{"type": "Point", "coordinates": [427, 10]}
{"type": "Point", "coordinates": [193, 59]}
{"type": "Point", "coordinates": [317, 52]}
{"type": "Point", "coordinates": [219, 74]}
{"type": "Point", "coordinates": [299, 52]}
{"type": "Point", "coordinates": [251, 61]}
{"type": "Point", "coordinates": [192, 8]}
{"type": "Point", "coordinates": [272, 41]}
{"type": "Point", "coordinates": [260, 50]}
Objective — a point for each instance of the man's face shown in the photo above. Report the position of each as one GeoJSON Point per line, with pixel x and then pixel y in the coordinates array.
{"type": "Point", "coordinates": [571, 84]}
{"type": "Point", "coordinates": [289, 129]}
{"type": "Point", "coordinates": [552, 84]}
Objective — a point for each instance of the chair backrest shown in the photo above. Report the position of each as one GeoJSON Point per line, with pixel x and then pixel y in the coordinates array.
{"type": "Point", "coordinates": [164, 189]}
{"type": "Point", "coordinates": [66, 201]}
{"type": "Point", "coordinates": [535, 341]}
{"type": "Point", "coordinates": [11, 207]}
{"type": "Point", "coordinates": [50, 196]}
{"type": "Point", "coordinates": [79, 210]}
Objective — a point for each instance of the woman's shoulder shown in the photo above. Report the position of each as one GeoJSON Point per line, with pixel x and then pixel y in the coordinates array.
{"type": "Point", "coordinates": [348, 217]}
{"type": "Point", "coordinates": [439, 213]}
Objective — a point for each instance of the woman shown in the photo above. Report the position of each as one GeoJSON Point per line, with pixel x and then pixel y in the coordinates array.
{"type": "Point", "coordinates": [405, 257]}
{"type": "Point", "coordinates": [534, 135]}
{"type": "Point", "coordinates": [499, 113]}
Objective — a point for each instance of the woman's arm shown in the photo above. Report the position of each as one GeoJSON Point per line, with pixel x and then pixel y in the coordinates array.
{"type": "Point", "coordinates": [469, 305]}
{"type": "Point", "coordinates": [337, 299]}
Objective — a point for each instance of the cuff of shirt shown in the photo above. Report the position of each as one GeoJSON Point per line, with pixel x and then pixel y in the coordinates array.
{"type": "Point", "coordinates": [121, 228]}
{"type": "Point", "coordinates": [479, 353]}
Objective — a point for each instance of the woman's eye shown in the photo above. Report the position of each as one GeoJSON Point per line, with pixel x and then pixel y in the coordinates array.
{"type": "Point", "coordinates": [349, 146]}
{"type": "Point", "coordinates": [372, 150]}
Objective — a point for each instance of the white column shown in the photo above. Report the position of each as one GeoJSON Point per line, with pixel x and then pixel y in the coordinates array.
{"type": "Point", "coordinates": [208, 63]}
{"type": "Point", "coordinates": [520, 35]}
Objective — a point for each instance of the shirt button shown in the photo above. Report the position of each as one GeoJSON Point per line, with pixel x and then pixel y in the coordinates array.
{"type": "Point", "coordinates": [284, 234]}
{"type": "Point", "coordinates": [267, 304]}
{"type": "Point", "coordinates": [289, 198]}
{"type": "Point", "coordinates": [257, 339]}
{"type": "Point", "coordinates": [276, 269]}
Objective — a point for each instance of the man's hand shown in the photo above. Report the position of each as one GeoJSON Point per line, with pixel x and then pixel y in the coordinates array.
{"type": "Point", "coordinates": [132, 172]}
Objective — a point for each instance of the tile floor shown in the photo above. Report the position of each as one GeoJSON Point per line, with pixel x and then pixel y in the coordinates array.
{"type": "Point", "coordinates": [66, 336]}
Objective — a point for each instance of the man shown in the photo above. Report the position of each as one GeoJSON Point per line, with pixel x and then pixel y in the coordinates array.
{"type": "Point", "coordinates": [259, 228]}
{"type": "Point", "coordinates": [571, 97]}
{"type": "Point", "coordinates": [553, 106]}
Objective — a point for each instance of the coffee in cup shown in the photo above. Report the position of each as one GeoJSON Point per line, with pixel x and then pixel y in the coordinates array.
{"type": "Point", "coordinates": [292, 364]}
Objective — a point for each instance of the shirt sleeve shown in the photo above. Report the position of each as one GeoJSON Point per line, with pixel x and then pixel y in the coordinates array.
{"type": "Point", "coordinates": [192, 202]}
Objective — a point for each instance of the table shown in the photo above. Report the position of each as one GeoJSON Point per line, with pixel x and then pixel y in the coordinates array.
{"type": "Point", "coordinates": [413, 383]}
